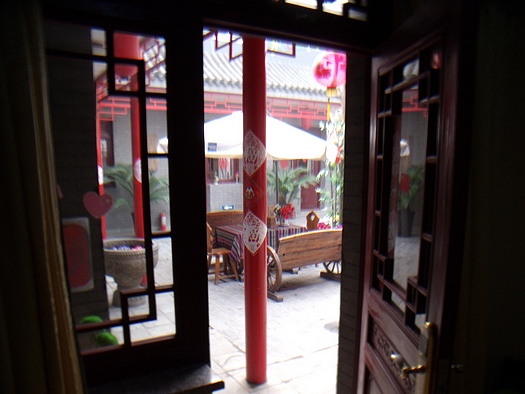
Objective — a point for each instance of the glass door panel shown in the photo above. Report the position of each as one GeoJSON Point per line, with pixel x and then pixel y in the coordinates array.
{"type": "Point", "coordinates": [108, 96]}
{"type": "Point", "coordinates": [405, 166]}
{"type": "Point", "coordinates": [411, 176]}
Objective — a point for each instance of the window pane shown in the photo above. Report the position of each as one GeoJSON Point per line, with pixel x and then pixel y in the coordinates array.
{"type": "Point", "coordinates": [411, 175]}
{"type": "Point", "coordinates": [157, 125]}
{"type": "Point", "coordinates": [151, 50]}
{"type": "Point", "coordinates": [159, 195]}
{"type": "Point", "coordinates": [303, 3]}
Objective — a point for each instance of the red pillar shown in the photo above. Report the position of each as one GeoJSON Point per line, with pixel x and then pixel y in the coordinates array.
{"type": "Point", "coordinates": [127, 46]}
{"type": "Point", "coordinates": [255, 209]}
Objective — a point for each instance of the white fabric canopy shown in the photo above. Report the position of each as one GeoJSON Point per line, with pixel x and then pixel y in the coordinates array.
{"type": "Point", "coordinates": [223, 137]}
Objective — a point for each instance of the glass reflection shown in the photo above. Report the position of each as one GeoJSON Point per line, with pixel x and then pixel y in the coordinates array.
{"type": "Point", "coordinates": [411, 175]}
{"type": "Point", "coordinates": [150, 49]}
{"type": "Point", "coordinates": [159, 194]}
{"type": "Point", "coordinates": [157, 125]}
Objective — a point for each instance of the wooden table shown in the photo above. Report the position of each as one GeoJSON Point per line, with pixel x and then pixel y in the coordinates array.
{"type": "Point", "coordinates": [230, 237]}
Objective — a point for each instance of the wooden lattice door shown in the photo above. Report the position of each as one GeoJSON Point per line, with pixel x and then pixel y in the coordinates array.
{"type": "Point", "coordinates": [408, 218]}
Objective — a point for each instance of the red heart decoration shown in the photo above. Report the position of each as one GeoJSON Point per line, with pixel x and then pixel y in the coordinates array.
{"type": "Point", "coordinates": [96, 205]}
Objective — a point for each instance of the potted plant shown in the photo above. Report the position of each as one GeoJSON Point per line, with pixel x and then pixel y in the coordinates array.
{"type": "Point", "coordinates": [331, 195]}
{"type": "Point", "coordinates": [122, 175]}
{"type": "Point", "coordinates": [331, 190]}
{"type": "Point", "coordinates": [290, 181]}
{"type": "Point", "coordinates": [125, 259]}
{"type": "Point", "coordinates": [410, 188]}
{"type": "Point", "coordinates": [284, 213]}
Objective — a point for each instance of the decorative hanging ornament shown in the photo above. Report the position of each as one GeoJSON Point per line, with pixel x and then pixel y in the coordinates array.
{"type": "Point", "coordinates": [329, 70]}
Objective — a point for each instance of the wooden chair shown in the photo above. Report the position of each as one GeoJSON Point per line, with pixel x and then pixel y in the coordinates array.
{"type": "Point", "coordinates": [219, 255]}
{"type": "Point", "coordinates": [224, 218]}
{"type": "Point", "coordinates": [312, 220]}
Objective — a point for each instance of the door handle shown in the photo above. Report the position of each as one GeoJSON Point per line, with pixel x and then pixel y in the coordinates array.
{"type": "Point", "coordinates": [427, 343]}
{"type": "Point", "coordinates": [405, 370]}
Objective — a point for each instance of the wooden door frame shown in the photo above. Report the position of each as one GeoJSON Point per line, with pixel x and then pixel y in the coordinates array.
{"type": "Point", "coordinates": [191, 343]}
{"type": "Point", "coordinates": [296, 26]}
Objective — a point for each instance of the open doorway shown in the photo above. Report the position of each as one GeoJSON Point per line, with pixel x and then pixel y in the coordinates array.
{"type": "Point", "coordinates": [303, 330]}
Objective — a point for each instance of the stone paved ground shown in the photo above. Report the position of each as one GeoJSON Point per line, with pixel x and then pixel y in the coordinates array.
{"type": "Point", "coordinates": [302, 335]}
{"type": "Point", "coordinates": [302, 331]}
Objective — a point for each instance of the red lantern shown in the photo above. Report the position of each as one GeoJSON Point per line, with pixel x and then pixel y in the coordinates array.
{"type": "Point", "coordinates": [329, 70]}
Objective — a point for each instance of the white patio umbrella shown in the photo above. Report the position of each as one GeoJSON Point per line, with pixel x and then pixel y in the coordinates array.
{"type": "Point", "coordinates": [223, 137]}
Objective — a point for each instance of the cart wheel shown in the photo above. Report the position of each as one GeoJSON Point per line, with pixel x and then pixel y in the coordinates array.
{"type": "Point", "coordinates": [274, 270]}
{"type": "Point", "coordinates": [333, 267]}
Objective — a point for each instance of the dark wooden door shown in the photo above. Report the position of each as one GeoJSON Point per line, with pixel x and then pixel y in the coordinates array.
{"type": "Point", "coordinates": [309, 195]}
{"type": "Point", "coordinates": [309, 198]}
{"type": "Point", "coordinates": [408, 290]}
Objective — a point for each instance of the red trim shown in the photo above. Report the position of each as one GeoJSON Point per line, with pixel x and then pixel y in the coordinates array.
{"type": "Point", "coordinates": [128, 46]}
{"type": "Point", "coordinates": [222, 103]}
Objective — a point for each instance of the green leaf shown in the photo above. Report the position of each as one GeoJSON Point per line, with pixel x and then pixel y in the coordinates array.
{"type": "Point", "coordinates": [122, 175]}
{"type": "Point", "coordinates": [291, 180]}
{"type": "Point", "coordinates": [417, 180]}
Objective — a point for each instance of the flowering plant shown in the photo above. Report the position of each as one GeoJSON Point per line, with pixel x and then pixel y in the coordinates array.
{"type": "Point", "coordinates": [287, 211]}
{"type": "Point", "coordinates": [324, 226]}
{"type": "Point", "coordinates": [327, 226]}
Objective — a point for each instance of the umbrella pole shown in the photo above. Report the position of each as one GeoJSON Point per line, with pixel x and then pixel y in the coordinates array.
{"type": "Point", "coordinates": [276, 168]}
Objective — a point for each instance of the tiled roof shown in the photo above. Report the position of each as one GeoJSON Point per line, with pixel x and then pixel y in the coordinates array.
{"type": "Point", "coordinates": [283, 79]}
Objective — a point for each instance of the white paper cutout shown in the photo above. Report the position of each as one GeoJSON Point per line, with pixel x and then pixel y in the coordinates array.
{"type": "Point", "coordinates": [137, 170]}
{"type": "Point", "coordinates": [254, 232]}
{"type": "Point", "coordinates": [100, 175]}
{"type": "Point", "coordinates": [254, 153]}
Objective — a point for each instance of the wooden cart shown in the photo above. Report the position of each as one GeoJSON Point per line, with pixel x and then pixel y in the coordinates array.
{"type": "Point", "coordinates": [300, 250]}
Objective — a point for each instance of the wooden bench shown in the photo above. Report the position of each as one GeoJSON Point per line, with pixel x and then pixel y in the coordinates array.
{"type": "Point", "coordinates": [300, 250]}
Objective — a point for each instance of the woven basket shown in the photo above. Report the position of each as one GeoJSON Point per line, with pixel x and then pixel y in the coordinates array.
{"type": "Point", "coordinates": [127, 265]}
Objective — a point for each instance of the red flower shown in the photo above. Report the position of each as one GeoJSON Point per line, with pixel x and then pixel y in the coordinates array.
{"type": "Point", "coordinates": [323, 226]}
{"type": "Point", "coordinates": [288, 211]}
{"type": "Point", "coordinates": [404, 184]}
